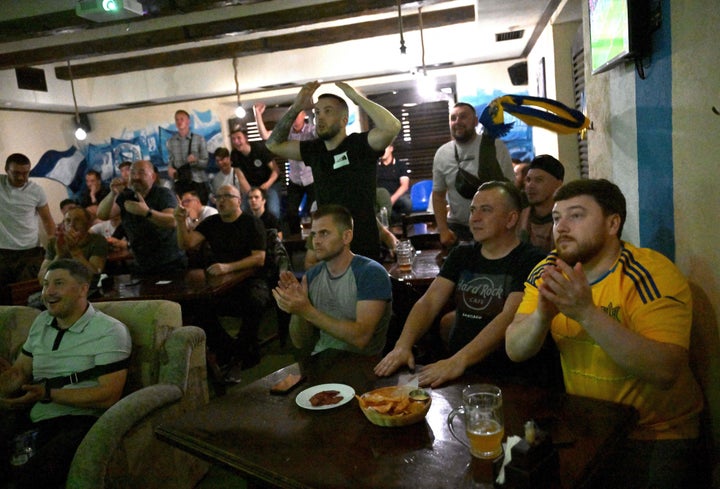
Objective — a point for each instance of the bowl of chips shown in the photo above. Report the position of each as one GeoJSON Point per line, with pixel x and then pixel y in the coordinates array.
{"type": "Point", "coordinates": [395, 406]}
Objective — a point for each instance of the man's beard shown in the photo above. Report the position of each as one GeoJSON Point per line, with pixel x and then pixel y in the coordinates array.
{"type": "Point", "coordinates": [329, 133]}
{"type": "Point", "coordinates": [583, 252]}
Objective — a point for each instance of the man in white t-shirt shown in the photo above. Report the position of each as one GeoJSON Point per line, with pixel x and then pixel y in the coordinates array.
{"type": "Point", "coordinates": [22, 202]}
{"type": "Point", "coordinates": [462, 152]}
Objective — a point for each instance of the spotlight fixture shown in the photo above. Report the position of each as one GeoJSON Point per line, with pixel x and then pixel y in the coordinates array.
{"type": "Point", "coordinates": [80, 132]}
{"type": "Point", "coordinates": [239, 111]}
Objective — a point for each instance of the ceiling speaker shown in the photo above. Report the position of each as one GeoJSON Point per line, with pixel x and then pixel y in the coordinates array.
{"type": "Point", "coordinates": [31, 79]}
{"type": "Point", "coordinates": [518, 73]}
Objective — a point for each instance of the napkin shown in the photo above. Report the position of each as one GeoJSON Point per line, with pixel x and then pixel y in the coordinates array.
{"type": "Point", "coordinates": [511, 442]}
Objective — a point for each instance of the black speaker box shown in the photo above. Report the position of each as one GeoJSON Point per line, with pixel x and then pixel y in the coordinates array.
{"type": "Point", "coordinates": [31, 79]}
{"type": "Point", "coordinates": [518, 73]}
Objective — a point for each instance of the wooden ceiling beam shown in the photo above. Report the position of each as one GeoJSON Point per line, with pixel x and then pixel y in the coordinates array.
{"type": "Point", "coordinates": [265, 45]}
{"type": "Point", "coordinates": [280, 19]}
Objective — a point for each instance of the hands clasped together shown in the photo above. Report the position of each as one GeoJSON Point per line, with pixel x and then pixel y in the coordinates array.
{"type": "Point", "coordinates": [290, 294]}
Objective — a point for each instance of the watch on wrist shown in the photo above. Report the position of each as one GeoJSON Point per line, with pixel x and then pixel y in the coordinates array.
{"type": "Point", "coordinates": [46, 398]}
{"type": "Point", "coordinates": [149, 214]}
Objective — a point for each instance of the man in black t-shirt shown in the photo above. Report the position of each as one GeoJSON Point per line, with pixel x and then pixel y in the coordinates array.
{"type": "Point", "coordinates": [237, 242]}
{"type": "Point", "coordinates": [344, 165]}
{"type": "Point", "coordinates": [486, 279]}
{"type": "Point", "coordinates": [257, 169]}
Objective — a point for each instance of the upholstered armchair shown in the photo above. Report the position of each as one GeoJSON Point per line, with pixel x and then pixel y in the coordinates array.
{"type": "Point", "coordinates": [167, 378]}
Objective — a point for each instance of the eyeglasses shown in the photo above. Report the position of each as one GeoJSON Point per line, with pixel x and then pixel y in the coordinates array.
{"type": "Point", "coordinates": [226, 196]}
{"type": "Point", "coordinates": [187, 201]}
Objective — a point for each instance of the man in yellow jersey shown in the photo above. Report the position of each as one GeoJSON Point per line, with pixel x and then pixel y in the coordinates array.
{"type": "Point", "coordinates": [621, 317]}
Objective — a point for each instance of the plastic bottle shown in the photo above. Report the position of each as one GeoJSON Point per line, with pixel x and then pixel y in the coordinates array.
{"type": "Point", "coordinates": [384, 217]}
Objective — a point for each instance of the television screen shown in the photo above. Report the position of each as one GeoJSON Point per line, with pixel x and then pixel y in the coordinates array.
{"type": "Point", "coordinates": [609, 33]}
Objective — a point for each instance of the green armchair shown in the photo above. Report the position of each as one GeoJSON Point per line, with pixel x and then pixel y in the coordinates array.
{"type": "Point", "coordinates": [167, 378]}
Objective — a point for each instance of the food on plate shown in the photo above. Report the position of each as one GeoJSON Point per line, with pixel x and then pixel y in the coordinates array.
{"type": "Point", "coordinates": [326, 398]}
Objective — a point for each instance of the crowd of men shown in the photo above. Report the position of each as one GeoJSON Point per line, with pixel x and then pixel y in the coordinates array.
{"type": "Point", "coordinates": [543, 289]}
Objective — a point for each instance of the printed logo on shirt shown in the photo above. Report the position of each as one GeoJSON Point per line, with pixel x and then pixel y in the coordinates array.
{"type": "Point", "coordinates": [341, 160]}
{"type": "Point", "coordinates": [258, 163]}
{"type": "Point", "coordinates": [480, 292]}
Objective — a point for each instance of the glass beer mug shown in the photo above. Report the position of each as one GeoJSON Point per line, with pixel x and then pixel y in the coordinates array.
{"type": "Point", "coordinates": [405, 254]}
{"type": "Point", "coordinates": [483, 416]}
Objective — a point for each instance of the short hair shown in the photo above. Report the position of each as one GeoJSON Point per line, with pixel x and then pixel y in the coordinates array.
{"type": "Point", "coordinates": [125, 163]}
{"type": "Point", "coordinates": [608, 196]}
{"type": "Point", "coordinates": [94, 172]}
{"type": "Point", "coordinates": [341, 101]}
{"type": "Point", "coordinates": [512, 193]}
{"type": "Point", "coordinates": [340, 215]}
{"type": "Point", "coordinates": [65, 202]}
{"type": "Point", "coordinates": [18, 159]}
{"type": "Point", "coordinates": [76, 269]}
{"type": "Point", "coordinates": [221, 153]}
{"type": "Point", "coordinates": [238, 128]}
{"type": "Point", "coordinates": [465, 104]}
{"type": "Point", "coordinates": [263, 192]}
{"type": "Point", "coordinates": [197, 189]}
{"type": "Point", "coordinates": [181, 111]}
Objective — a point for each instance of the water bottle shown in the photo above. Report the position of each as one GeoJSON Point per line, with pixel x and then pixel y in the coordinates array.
{"type": "Point", "coordinates": [384, 217]}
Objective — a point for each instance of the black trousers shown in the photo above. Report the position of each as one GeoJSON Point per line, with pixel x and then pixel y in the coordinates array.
{"type": "Point", "coordinates": [55, 445]}
{"type": "Point", "coordinates": [249, 301]}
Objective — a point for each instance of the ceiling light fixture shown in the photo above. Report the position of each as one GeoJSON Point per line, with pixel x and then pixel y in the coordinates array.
{"type": "Point", "coordinates": [425, 84]}
{"type": "Point", "coordinates": [403, 49]}
{"type": "Point", "coordinates": [403, 61]}
{"type": "Point", "coordinates": [80, 132]}
{"type": "Point", "coordinates": [239, 111]}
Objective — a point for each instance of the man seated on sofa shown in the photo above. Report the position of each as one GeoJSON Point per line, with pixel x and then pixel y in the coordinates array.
{"type": "Point", "coordinates": [70, 339]}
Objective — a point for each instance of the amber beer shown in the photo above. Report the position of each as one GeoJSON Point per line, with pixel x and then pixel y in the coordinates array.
{"type": "Point", "coordinates": [486, 439]}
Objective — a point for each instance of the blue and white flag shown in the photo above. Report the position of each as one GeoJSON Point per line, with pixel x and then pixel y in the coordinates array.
{"type": "Point", "coordinates": [67, 167]}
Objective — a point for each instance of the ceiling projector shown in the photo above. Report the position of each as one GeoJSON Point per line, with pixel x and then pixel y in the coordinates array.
{"type": "Point", "coordinates": [108, 10]}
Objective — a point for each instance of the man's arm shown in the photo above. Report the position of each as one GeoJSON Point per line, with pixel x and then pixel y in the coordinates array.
{"type": "Point", "coordinates": [404, 186]}
{"type": "Point", "coordinates": [47, 220]}
{"type": "Point", "coordinates": [302, 334]}
{"type": "Point", "coordinates": [255, 260]}
{"type": "Point", "coordinates": [108, 208]}
{"type": "Point", "coordinates": [186, 239]}
{"type": "Point", "coordinates": [20, 373]}
{"type": "Point", "coordinates": [488, 340]}
{"type": "Point", "coordinates": [292, 298]}
{"type": "Point", "coordinates": [278, 142]}
{"type": "Point", "coordinates": [274, 174]}
{"type": "Point", "coordinates": [162, 218]}
{"type": "Point", "coordinates": [439, 201]}
{"type": "Point", "coordinates": [416, 325]}
{"type": "Point", "coordinates": [242, 181]}
{"type": "Point", "coordinates": [259, 109]}
{"type": "Point", "coordinates": [203, 157]}
{"type": "Point", "coordinates": [566, 289]}
{"type": "Point", "coordinates": [386, 127]}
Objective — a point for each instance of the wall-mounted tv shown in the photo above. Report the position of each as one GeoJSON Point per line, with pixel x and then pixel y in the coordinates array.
{"type": "Point", "coordinates": [618, 32]}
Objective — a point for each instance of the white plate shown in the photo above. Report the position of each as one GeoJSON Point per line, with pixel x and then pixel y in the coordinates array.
{"type": "Point", "coordinates": [303, 399]}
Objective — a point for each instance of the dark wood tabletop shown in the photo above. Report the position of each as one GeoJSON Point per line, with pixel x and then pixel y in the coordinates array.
{"type": "Point", "coordinates": [190, 285]}
{"type": "Point", "coordinates": [271, 440]}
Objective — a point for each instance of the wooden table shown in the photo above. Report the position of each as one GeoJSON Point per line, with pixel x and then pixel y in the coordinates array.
{"type": "Point", "coordinates": [273, 442]}
{"type": "Point", "coordinates": [190, 285]}
{"type": "Point", "coordinates": [425, 268]}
